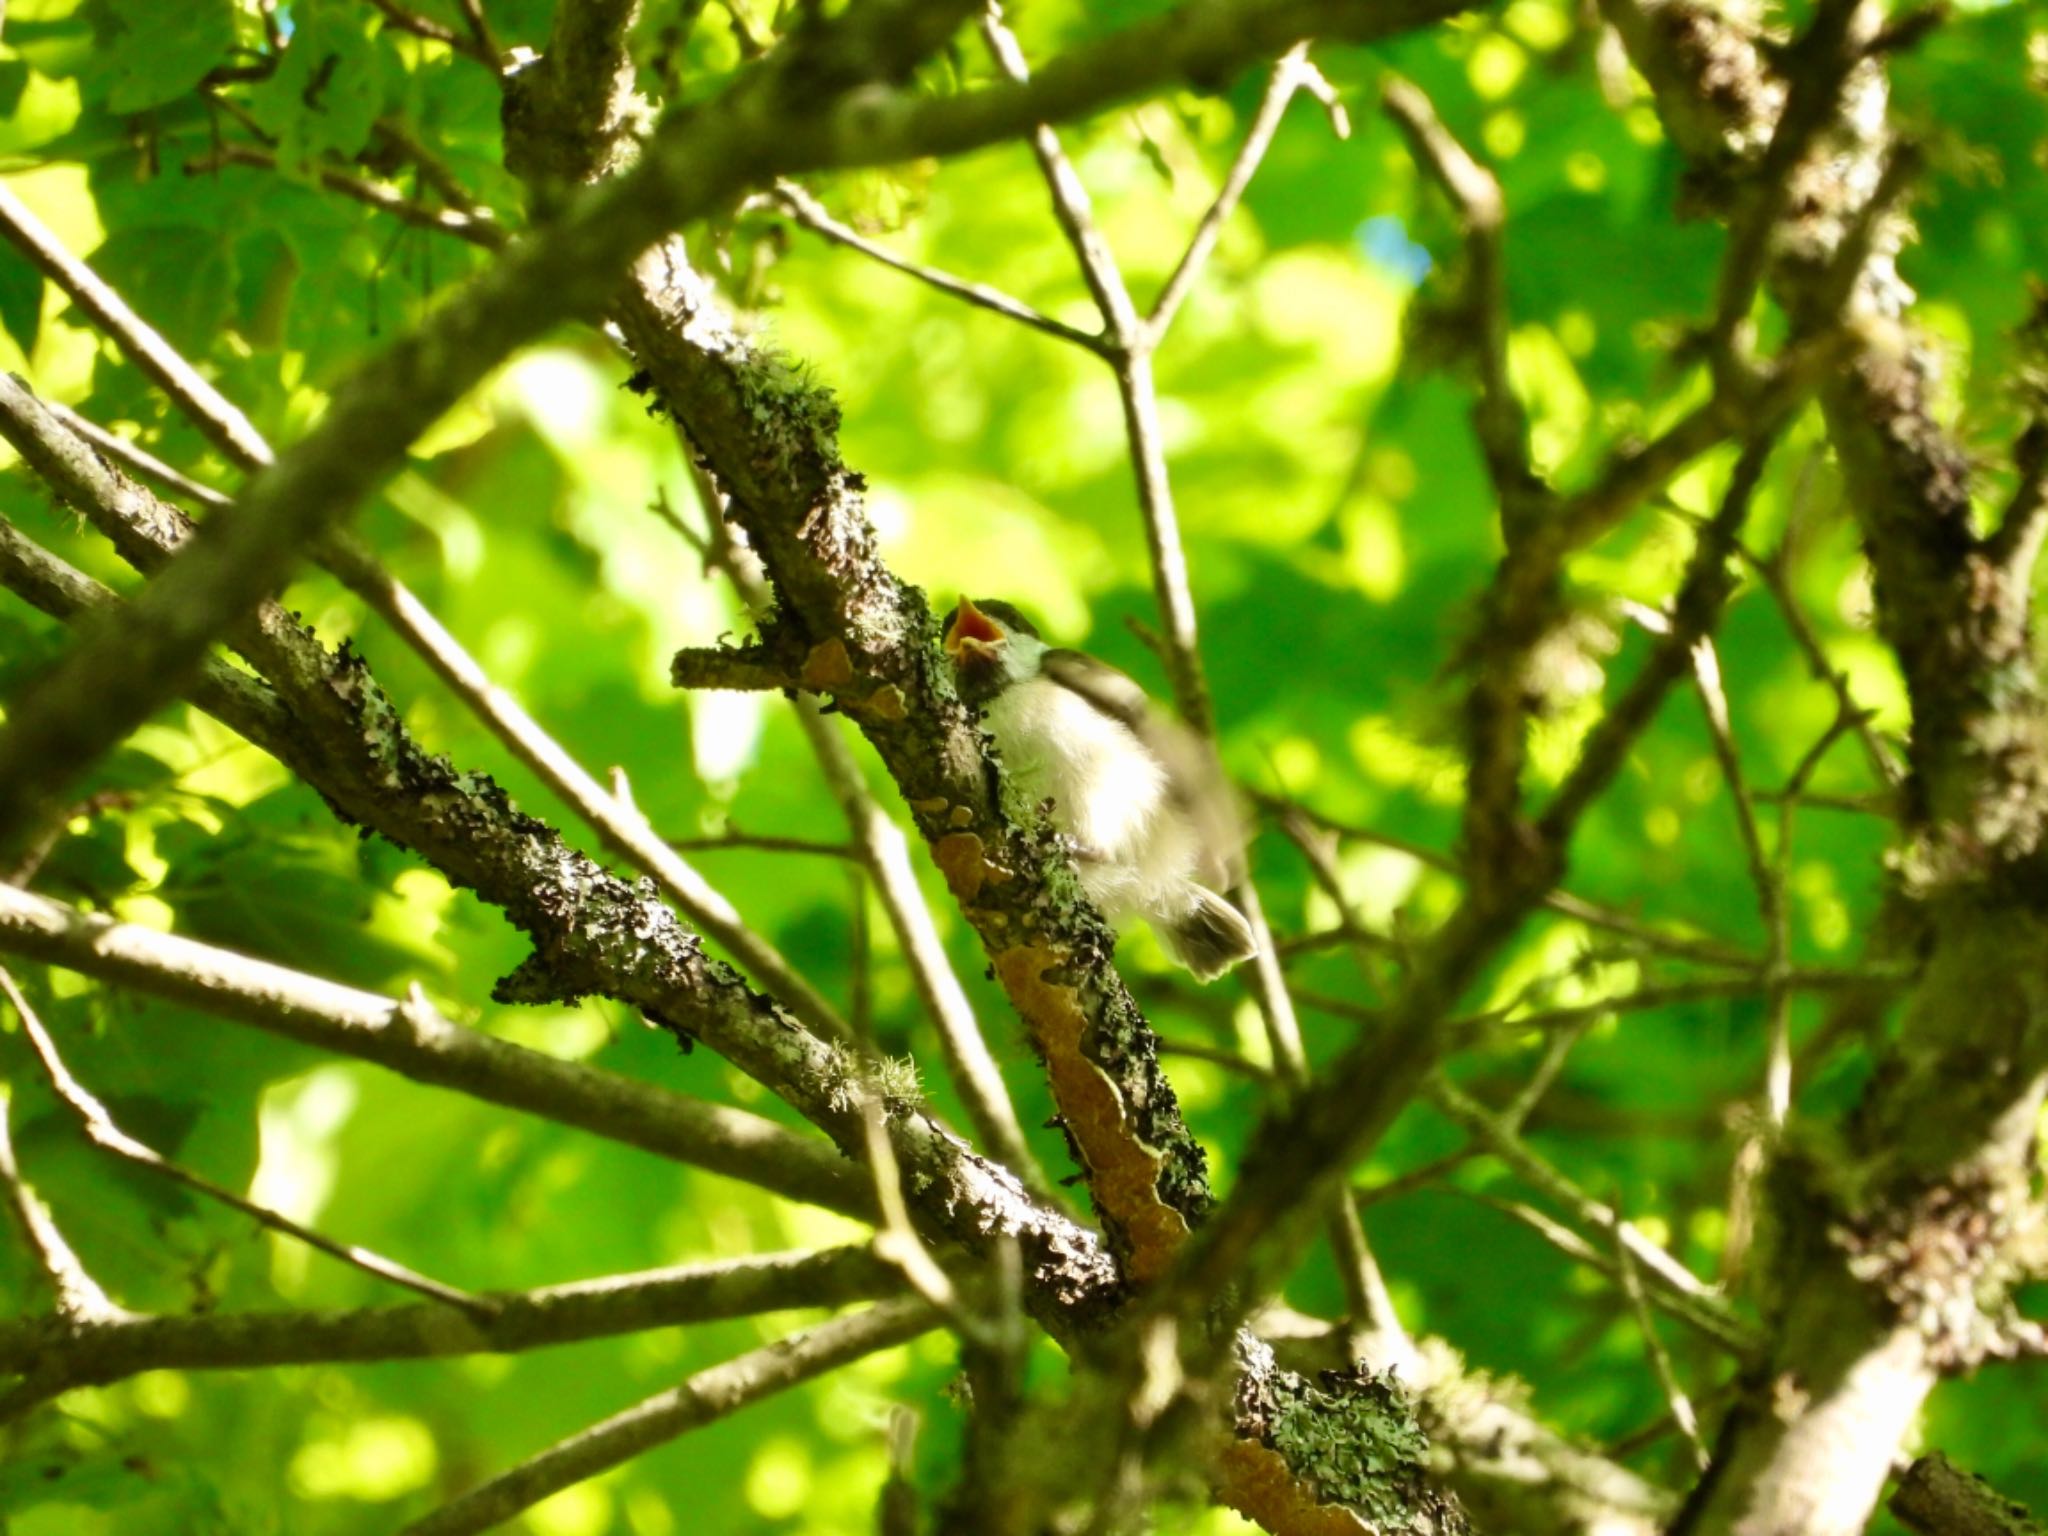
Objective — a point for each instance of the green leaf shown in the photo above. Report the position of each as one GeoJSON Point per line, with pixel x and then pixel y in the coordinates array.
{"type": "Point", "coordinates": [21, 303]}
{"type": "Point", "coordinates": [161, 51]}
{"type": "Point", "coordinates": [180, 276]}
{"type": "Point", "coordinates": [327, 91]}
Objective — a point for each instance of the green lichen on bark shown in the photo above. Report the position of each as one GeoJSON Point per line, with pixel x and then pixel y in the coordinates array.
{"type": "Point", "coordinates": [1353, 1436]}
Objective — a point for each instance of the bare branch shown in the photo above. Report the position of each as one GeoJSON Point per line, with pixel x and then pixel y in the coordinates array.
{"type": "Point", "coordinates": [1664, 1271]}
{"type": "Point", "coordinates": [699, 159]}
{"type": "Point", "coordinates": [1251, 1238]}
{"type": "Point", "coordinates": [1938, 1498]}
{"type": "Point", "coordinates": [101, 1130]}
{"type": "Point", "coordinates": [1817, 66]}
{"type": "Point", "coordinates": [480, 31]}
{"type": "Point", "coordinates": [224, 426]}
{"type": "Point", "coordinates": [761, 842]}
{"type": "Point", "coordinates": [736, 668]}
{"type": "Point", "coordinates": [1705, 951]}
{"type": "Point", "coordinates": [2016, 543]}
{"type": "Point", "coordinates": [411, 1038]}
{"type": "Point", "coordinates": [707, 1396]}
{"type": "Point", "coordinates": [138, 460]}
{"type": "Point", "coordinates": [1765, 874]}
{"type": "Point", "coordinates": [1702, 1318]}
{"type": "Point", "coordinates": [1293, 73]}
{"type": "Point", "coordinates": [1776, 579]}
{"type": "Point", "coordinates": [1682, 1413]}
{"type": "Point", "coordinates": [115, 1348]}
{"type": "Point", "coordinates": [148, 536]}
{"type": "Point", "coordinates": [465, 224]}
{"type": "Point", "coordinates": [405, 20]}
{"type": "Point", "coordinates": [1499, 421]}
{"type": "Point", "coordinates": [809, 212]}
{"type": "Point", "coordinates": [78, 1296]}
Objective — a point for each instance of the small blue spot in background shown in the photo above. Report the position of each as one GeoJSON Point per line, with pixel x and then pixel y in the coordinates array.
{"type": "Point", "coordinates": [1384, 241]}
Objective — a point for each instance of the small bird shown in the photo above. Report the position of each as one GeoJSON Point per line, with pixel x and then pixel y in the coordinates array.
{"type": "Point", "coordinates": [1151, 822]}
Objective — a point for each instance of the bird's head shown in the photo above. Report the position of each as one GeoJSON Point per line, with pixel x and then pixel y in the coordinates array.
{"type": "Point", "coordinates": [992, 646]}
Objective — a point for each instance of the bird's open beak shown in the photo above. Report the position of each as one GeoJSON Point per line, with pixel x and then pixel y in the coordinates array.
{"type": "Point", "coordinates": [971, 634]}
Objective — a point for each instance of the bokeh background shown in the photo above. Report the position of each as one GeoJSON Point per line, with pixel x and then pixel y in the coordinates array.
{"type": "Point", "coordinates": [1339, 527]}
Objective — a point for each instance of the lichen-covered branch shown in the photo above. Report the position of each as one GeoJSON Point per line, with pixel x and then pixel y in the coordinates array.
{"type": "Point", "coordinates": [407, 1036]}
{"type": "Point", "coordinates": [593, 932]}
{"type": "Point", "coordinates": [1891, 1244]}
{"type": "Point", "coordinates": [113, 1348]}
{"type": "Point", "coordinates": [1938, 1498]}
{"type": "Point", "coordinates": [779, 116]}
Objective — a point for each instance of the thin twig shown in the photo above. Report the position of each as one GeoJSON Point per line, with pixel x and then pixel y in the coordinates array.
{"type": "Point", "coordinates": [1291, 74]}
{"type": "Point", "coordinates": [1682, 1413]}
{"type": "Point", "coordinates": [606, 1307]}
{"type": "Point", "coordinates": [101, 1130]}
{"type": "Point", "coordinates": [1705, 951]}
{"type": "Point", "coordinates": [1231, 1061]}
{"type": "Point", "coordinates": [465, 224]}
{"type": "Point", "coordinates": [79, 1299]}
{"type": "Point", "coordinates": [1706, 1320]}
{"type": "Point", "coordinates": [707, 1396]}
{"type": "Point", "coordinates": [1665, 1272]}
{"type": "Point", "coordinates": [480, 30]}
{"type": "Point", "coordinates": [221, 422]}
{"type": "Point", "coordinates": [809, 212]}
{"type": "Point", "coordinates": [622, 830]}
{"type": "Point", "coordinates": [1640, 1000]}
{"type": "Point", "coordinates": [409, 1037]}
{"type": "Point", "coordinates": [1777, 581]}
{"type": "Point", "coordinates": [1499, 421]}
{"type": "Point", "coordinates": [435, 32]}
{"type": "Point", "coordinates": [761, 843]}
{"type": "Point", "coordinates": [138, 460]}
{"type": "Point", "coordinates": [1765, 874]}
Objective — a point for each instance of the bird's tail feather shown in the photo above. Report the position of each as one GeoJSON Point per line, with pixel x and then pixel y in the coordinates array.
{"type": "Point", "coordinates": [1210, 937]}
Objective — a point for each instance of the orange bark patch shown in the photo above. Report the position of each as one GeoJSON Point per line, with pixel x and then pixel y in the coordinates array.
{"type": "Point", "coordinates": [958, 855]}
{"type": "Point", "coordinates": [1254, 1480]}
{"type": "Point", "coordinates": [1122, 1171]}
{"type": "Point", "coordinates": [828, 665]}
{"type": "Point", "coordinates": [886, 703]}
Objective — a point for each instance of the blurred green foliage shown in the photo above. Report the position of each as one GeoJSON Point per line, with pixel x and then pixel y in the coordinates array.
{"type": "Point", "coordinates": [1339, 526]}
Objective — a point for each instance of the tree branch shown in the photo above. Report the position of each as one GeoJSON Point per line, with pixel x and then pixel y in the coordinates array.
{"type": "Point", "coordinates": [773, 120]}
{"type": "Point", "coordinates": [465, 224]}
{"type": "Point", "coordinates": [1938, 1498]}
{"type": "Point", "coordinates": [410, 1038]}
{"type": "Point", "coordinates": [112, 1349]}
{"type": "Point", "coordinates": [620, 828]}
{"type": "Point", "coordinates": [1254, 1235]}
{"type": "Point", "coordinates": [78, 1296]}
{"type": "Point", "coordinates": [706, 1397]}
{"type": "Point", "coordinates": [810, 213]}
{"type": "Point", "coordinates": [101, 1130]}
{"type": "Point", "coordinates": [594, 933]}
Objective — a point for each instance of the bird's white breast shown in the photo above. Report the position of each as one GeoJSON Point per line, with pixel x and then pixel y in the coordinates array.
{"type": "Point", "coordinates": [1108, 792]}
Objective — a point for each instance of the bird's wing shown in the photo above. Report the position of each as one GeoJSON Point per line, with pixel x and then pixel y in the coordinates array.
{"type": "Point", "coordinates": [1196, 784]}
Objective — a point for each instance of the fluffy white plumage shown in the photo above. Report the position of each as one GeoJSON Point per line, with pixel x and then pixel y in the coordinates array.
{"type": "Point", "coordinates": [1108, 793]}
{"type": "Point", "coordinates": [1152, 827]}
